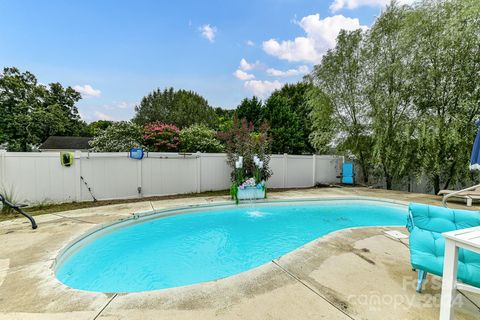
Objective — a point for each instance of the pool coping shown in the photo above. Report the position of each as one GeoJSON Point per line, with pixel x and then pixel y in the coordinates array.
{"type": "Point", "coordinates": [139, 217]}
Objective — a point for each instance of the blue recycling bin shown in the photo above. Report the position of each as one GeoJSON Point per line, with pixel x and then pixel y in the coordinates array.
{"type": "Point", "coordinates": [348, 175]}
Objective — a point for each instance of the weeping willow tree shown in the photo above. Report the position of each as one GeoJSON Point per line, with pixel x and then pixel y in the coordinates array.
{"type": "Point", "coordinates": [403, 96]}
{"type": "Point", "coordinates": [445, 86]}
{"type": "Point", "coordinates": [339, 109]}
{"type": "Point", "coordinates": [393, 115]}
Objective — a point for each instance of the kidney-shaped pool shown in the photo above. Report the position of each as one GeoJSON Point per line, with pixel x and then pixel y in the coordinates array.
{"type": "Point", "coordinates": [209, 243]}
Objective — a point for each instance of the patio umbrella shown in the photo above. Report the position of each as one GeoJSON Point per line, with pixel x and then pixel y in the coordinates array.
{"type": "Point", "coordinates": [475, 159]}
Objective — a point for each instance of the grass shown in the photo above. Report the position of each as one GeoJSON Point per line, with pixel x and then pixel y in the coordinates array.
{"type": "Point", "coordinates": [54, 208]}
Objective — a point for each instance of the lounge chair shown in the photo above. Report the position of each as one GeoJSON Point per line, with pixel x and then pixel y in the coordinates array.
{"type": "Point", "coordinates": [427, 245]}
{"type": "Point", "coordinates": [469, 195]}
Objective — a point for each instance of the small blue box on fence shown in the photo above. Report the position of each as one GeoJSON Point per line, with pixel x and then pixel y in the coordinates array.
{"type": "Point", "coordinates": [136, 153]}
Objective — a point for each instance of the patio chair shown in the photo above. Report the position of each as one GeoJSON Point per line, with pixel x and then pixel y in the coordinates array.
{"type": "Point", "coordinates": [427, 245]}
{"type": "Point", "coordinates": [348, 173]}
{"type": "Point", "coordinates": [468, 195]}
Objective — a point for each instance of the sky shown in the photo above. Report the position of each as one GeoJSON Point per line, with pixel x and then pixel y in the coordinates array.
{"type": "Point", "coordinates": [114, 52]}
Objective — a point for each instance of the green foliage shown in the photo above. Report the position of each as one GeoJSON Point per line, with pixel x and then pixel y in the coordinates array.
{"type": "Point", "coordinates": [31, 112]}
{"type": "Point", "coordinates": [224, 120]}
{"type": "Point", "coordinates": [118, 137]}
{"type": "Point", "coordinates": [161, 137]}
{"type": "Point", "coordinates": [444, 85]}
{"type": "Point", "coordinates": [393, 115]}
{"type": "Point", "coordinates": [181, 108]}
{"type": "Point", "coordinates": [251, 110]}
{"type": "Point", "coordinates": [323, 123]}
{"type": "Point", "coordinates": [340, 105]}
{"type": "Point", "coordinates": [405, 90]}
{"type": "Point", "coordinates": [287, 112]}
{"type": "Point", "coordinates": [199, 138]}
{"type": "Point", "coordinates": [94, 128]}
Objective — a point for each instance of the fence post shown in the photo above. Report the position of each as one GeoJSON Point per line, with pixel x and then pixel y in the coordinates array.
{"type": "Point", "coordinates": [285, 169]}
{"type": "Point", "coordinates": [314, 170]}
{"type": "Point", "coordinates": [3, 163]}
{"type": "Point", "coordinates": [139, 178]}
{"type": "Point", "coordinates": [199, 172]}
{"type": "Point", "coordinates": [77, 164]}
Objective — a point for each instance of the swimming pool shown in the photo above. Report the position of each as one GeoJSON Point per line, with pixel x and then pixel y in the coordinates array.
{"type": "Point", "coordinates": [209, 243]}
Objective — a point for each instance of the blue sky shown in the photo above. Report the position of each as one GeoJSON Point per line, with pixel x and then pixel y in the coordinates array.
{"type": "Point", "coordinates": [115, 52]}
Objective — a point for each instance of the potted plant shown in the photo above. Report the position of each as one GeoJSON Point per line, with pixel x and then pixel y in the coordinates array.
{"type": "Point", "coordinates": [254, 187]}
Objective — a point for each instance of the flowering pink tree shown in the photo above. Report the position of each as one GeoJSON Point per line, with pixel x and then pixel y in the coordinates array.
{"type": "Point", "coordinates": [161, 137]}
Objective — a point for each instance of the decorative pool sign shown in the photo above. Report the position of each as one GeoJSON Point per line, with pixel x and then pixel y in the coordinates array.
{"type": "Point", "coordinates": [251, 193]}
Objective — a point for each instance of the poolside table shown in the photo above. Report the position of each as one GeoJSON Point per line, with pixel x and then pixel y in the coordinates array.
{"type": "Point", "coordinates": [465, 238]}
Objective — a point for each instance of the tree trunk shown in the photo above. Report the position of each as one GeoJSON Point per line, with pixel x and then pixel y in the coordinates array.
{"type": "Point", "coordinates": [388, 181]}
{"type": "Point", "coordinates": [388, 178]}
{"type": "Point", "coordinates": [365, 175]}
{"type": "Point", "coordinates": [451, 171]}
{"type": "Point", "coordinates": [364, 167]}
{"type": "Point", "coordinates": [436, 184]}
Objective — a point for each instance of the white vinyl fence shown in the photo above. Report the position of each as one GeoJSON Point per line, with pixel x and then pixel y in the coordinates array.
{"type": "Point", "coordinates": [40, 178]}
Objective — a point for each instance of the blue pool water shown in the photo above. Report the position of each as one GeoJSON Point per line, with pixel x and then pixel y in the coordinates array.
{"type": "Point", "coordinates": [195, 247]}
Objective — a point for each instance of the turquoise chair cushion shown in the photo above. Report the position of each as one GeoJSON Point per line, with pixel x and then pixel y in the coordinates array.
{"type": "Point", "coordinates": [427, 245]}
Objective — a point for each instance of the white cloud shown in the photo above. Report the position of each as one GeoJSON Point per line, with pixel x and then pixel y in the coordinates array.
{"type": "Point", "coordinates": [250, 43]}
{"type": "Point", "coordinates": [288, 73]}
{"type": "Point", "coordinates": [261, 88]}
{"type": "Point", "coordinates": [338, 5]}
{"type": "Point", "coordinates": [242, 75]}
{"type": "Point", "coordinates": [245, 66]}
{"type": "Point", "coordinates": [208, 32]}
{"type": "Point", "coordinates": [320, 36]}
{"type": "Point", "coordinates": [87, 91]}
{"type": "Point", "coordinates": [102, 116]}
{"type": "Point", "coordinates": [119, 105]}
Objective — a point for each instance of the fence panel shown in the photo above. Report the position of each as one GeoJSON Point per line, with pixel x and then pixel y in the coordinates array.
{"type": "Point", "coordinates": [108, 177]}
{"type": "Point", "coordinates": [327, 168]}
{"type": "Point", "coordinates": [37, 178]}
{"type": "Point", "coordinates": [166, 174]}
{"type": "Point", "coordinates": [40, 178]}
{"type": "Point", "coordinates": [299, 171]}
{"type": "Point", "coordinates": [215, 172]}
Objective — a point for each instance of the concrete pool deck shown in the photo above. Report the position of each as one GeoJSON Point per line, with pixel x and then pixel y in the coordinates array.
{"type": "Point", "coordinates": [350, 274]}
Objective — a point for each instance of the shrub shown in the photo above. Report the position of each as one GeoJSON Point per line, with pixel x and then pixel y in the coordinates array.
{"type": "Point", "coordinates": [199, 138]}
{"type": "Point", "coordinates": [242, 140]}
{"type": "Point", "coordinates": [118, 137]}
{"type": "Point", "coordinates": [161, 137]}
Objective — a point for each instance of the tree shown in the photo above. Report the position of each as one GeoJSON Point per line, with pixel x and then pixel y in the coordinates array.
{"type": "Point", "coordinates": [444, 38]}
{"type": "Point", "coordinates": [393, 114]}
{"type": "Point", "coordinates": [181, 108]}
{"type": "Point", "coordinates": [94, 128]}
{"type": "Point", "coordinates": [199, 138]}
{"type": "Point", "coordinates": [224, 120]}
{"type": "Point", "coordinates": [323, 121]}
{"type": "Point", "coordinates": [287, 113]}
{"type": "Point", "coordinates": [251, 110]}
{"type": "Point", "coordinates": [161, 137]}
{"type": "Point", "coordinates": [341, 106]}
{"type": "Point", "coordinates": [118, 137]}
{"type": "Point", "coordinates": [31, 112]}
